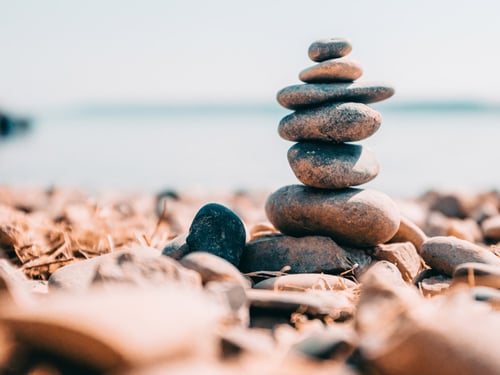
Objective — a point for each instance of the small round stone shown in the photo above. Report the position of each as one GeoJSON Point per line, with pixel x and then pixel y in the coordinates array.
{"type": "Point", "coordinates": [491, 228]}
{"type": "Point", "coordinates": [309, 254]}
{"type": "Point", "coordinates": [330, 48]}
{"type": "Point", "coordinates": [409, 231]}
{"type": "Point", "coordinates": [337, 122]}
{"type": "Point", "coordinates": [444, 254]}
{"type": "Point", "coordinates": [305, 281]}
{"type": "Point", "coordinates": [218, 230]}
{"type": "Point", "coordinates": [335, 70]}
{"type": "Point", "coordinates": [332, 166]}
{"type": "Point", "coordinates": [357, 217]}
{"type": "Point", "coordinates": [314, 94]}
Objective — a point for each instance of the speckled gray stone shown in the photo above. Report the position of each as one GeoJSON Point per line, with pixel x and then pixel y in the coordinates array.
{"type": "Point", "coordinates": [357, 217]}
{"type": "Point", "coordinates": [309, 254]}
{"type": "Point", "coordinates": [336, 122]}
{"type": "Point", "coordinates": [313, 94]}
{"type": "Point", "coordinates": [330, 48]}
{"type": "Point", "coordinates": [335, 70]}
{"type": "Point", "coordinates": [332, 166]}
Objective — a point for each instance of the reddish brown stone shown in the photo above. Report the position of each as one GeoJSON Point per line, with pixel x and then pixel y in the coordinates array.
{"type": "Point", "coordinates": [403, 255]}
{"type": "Point", "coordinates": [334, 70]}
{"type": "Point", "coordinates": [491, 228]}
{"type": "Point", "coordinates": [409, 231]}
{"type": "Point", "coordinates": [314, 94]}
{"type": "Point", "coordinates": [330, 48]}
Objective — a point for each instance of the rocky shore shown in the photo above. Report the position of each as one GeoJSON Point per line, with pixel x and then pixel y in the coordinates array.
{"type": "Point", "coordinates": [86, 289]}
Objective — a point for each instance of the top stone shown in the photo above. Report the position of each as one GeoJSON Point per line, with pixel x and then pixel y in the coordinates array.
{"type": "Point", "coordinates": [331, 48]}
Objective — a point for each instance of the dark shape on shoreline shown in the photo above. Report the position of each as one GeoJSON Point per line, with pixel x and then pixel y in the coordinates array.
{"type": "Point", "coordinates": [10, 125]}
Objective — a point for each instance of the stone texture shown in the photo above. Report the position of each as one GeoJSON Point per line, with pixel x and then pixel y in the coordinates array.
{"type": "Point", "coordinates": [314, 94]}
{"type": "Point", "coordinates": [330, 48]}
{"type": "Point", "coordinates": [336, 122]}
{"type": "Point", "coordinates": [77, 277]}
{"type": "Point", "coordinates": [336, 343]}
{"type": "Point", "coordinates": [305, 281]}
{"type": "Point", "coordinates": [127, 268]}
{"type": "Point", "coordinates": [403, 255]}
{"type": "Point", "coordinates": [214, 268]}
{"type": "Point", "coordinates": [177, 247]}
{"type": "Point", "coordinates": [479, 274]}
{"type": "Point", "coordinates": [308, 254]}
{"type": "Point", "coordinates": [350, 216]}
{"type": "Point", "coordinates": [332, 166]}
{"type": "Point", "coordinates": [491, 228]}
{"type": "Point", "coordinates": [444, 254]}
{"type": "Point", "coordinates": [335, 70]}
{"type": "Point", "coordinates": [218, 230]}
{"type": "Point", "coordinates": [409, 231]}
{"type": "Point", "coordinates": [337, 305]}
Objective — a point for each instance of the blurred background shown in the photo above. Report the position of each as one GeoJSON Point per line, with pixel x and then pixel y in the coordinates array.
{"type": "Point", "coordinates": [148, 95]}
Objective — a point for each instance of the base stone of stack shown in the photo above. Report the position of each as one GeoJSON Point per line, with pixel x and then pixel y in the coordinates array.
{"type": "Point", "coordinates": [355, 217]}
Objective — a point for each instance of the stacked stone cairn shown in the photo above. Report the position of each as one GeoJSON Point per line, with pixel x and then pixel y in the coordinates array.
{"type": "Point", "coordinates": [330, 113]}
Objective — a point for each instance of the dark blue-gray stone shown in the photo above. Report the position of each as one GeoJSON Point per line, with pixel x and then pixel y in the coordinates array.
{"type": "Point", "coordinates": [217, 230]}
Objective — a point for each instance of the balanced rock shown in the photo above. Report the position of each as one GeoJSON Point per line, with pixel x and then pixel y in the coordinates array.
{"type": "Point", "coordinates": [309, 254]}
{"type": "Point", "coordinates": [332, 166]}
{"type": "Point", "coordinates": [335, 122]}
{"type": "Point", "coordinates": [335, 70]}
{"type": "Point", "coordinates": [314, 94]}
{"type": "Point", "coordinates": [218, 230]}
{"type": "Point", "coordinates": [330, 48]}
{"type": "Point", "coordinates": [350, 216]}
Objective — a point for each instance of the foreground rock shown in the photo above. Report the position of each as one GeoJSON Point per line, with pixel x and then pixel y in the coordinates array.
{"type": "Point", "coordinates": [332, 166]}
{"type": "Point", "coordinates": [313, 94]}
{"type": "Point", "coordinates": [79, 276]}
{"type": "Point", "coordinates": [310, 254]}
{"type": "Point", "coordinates": [350, 216]}
{"type": "Point", "coordinates": [336, 122]}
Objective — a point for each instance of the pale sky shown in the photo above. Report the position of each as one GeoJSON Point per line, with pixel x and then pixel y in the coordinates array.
{"type": "Point", "coordinates": [64, 53]}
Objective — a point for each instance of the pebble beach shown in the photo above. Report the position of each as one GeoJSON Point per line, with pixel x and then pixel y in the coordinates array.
{"type": "Point", "coordinates": [322, 275]}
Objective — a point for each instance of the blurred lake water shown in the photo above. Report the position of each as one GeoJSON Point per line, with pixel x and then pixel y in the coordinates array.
{"type": "Point", "coordinates": [237, 147]}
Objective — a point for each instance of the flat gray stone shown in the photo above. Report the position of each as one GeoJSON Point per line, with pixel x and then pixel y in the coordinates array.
{"type": "Point", "coordinates": [332, 166]}
{"type": "Point", "coordinates": [325, 49]}
{"type": "Point", "coordinates": [334, 122]}
{"type": "Point", "coordinates": [309, 254]}
{"type": "Point", "coordinates": [314, 94]}
{"type": "Point", "coordinates": [335, 70]}
{"type": "Point", "coordinates": [350, 216]}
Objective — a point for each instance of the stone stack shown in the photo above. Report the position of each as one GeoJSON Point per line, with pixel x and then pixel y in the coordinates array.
{"type": "Point", "coordinates": [330, 113]}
